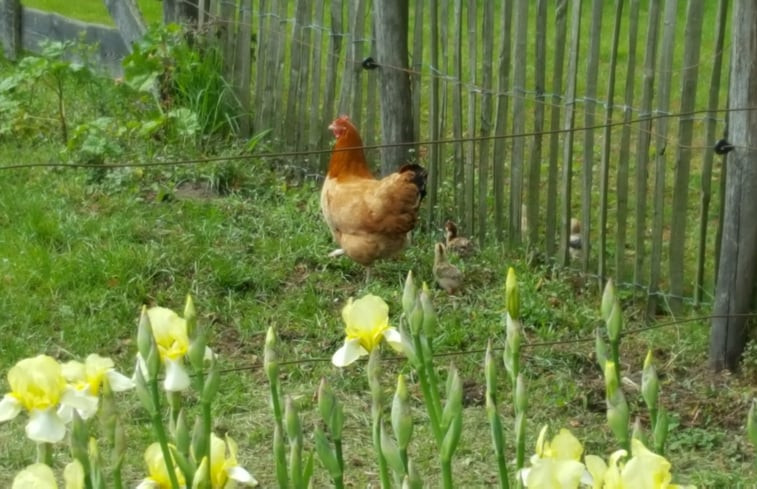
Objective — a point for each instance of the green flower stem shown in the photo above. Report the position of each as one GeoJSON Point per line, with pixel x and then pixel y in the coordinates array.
{"type": "Point", "coordinates": [45, 453]}
{"type": "Point", "coordinates": [447, 474]}
{"type": "Point", "coordinates": [339, 481]}
{"type": "Point", "coordinates": [207, 427]}
{"type": "Point", "coordinates": [279, 452]}
{"type": "Point", "coordinates": [430, 394]}
{"type": "Point", "coordinates": [160, 431]}
{"type": "Point", "coordinates": [615, 354]}
{"type": "Point", "coordinates": [118, 482]}
{"type": "Point", "coordinates": [520, 440]}
{"type": "Point", "coordinates": [499, 448]}
{"type": "Point", "coordinates": [373, 371]}
{"type": "Point", "coordinates": [403, 457]}
{"type": "Point", "coordinates": [383, 469]}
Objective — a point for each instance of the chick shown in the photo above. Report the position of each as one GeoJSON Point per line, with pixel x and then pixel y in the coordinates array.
{"type": "Point", "coordinates": [448, 276]}
{"type": "Point", "coordinates": [574, 240]}
{"type": "Point", "coordinates": [459, 244]}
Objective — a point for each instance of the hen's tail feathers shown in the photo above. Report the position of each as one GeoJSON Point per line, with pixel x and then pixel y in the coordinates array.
{"type": "Point", "coordinates": [419, 178]}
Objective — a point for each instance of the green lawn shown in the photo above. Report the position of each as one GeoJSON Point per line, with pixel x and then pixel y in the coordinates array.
{"type": "Point", "coordinates": [94, 10]}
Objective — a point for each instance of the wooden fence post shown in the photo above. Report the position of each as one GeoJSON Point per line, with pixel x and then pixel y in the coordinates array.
{"type": "Point", "coordinates": [10, 28]}
{"type": "Point", "coordinates": [737, 272]}
{"type": "Point", "coordinates": [128, 19]}
{"type": "Point", "coordinates": [391, 19]}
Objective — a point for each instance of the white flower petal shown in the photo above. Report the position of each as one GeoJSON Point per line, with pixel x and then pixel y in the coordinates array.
{"type": "Point", "coordinates": [66, 413]}
{"type": "Point", "coordinates": [177, 378]}
{"type": "Point", "coordinates": [9, 408]}
{"type": "Point", "coordinates": [85, 403]}
{"type": "Point", "coordinates": [394, 338]}
{"type": "Point", "coordinates": [348, 353]}
{"type": "Point", "coordinates": [45, 426]}
{"type": "Point", "coordinates": [148, 484]}
{"type": "Point", "coordinates": [141, 365]}
{"type": "Point", "coordinates": [119, 382]}
{"type": "Point", "coordinates": [241, 475]}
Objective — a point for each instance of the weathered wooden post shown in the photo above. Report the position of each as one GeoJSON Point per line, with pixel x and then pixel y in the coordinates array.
{"type": "Point", "coordinates": [734, 294]}
{"type": "Point", "coordinates": [128, 19]}
{"type": "Point", "coordinates": [10, 28]}
{"type": "Point", "coordinates": [391, 18]}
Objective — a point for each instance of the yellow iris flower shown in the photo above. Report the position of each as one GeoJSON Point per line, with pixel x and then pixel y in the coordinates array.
{"type": "Point", "coordinates": [37, 386]}
{"type": "Point", "coordinates": [366, 324]}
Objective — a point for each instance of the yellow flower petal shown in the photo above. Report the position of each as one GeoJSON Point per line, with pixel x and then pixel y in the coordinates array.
{"type": "Point", "coordinates": [35, 476]}
{"type": "Point", "coordinates": [37, 383]}
{"type": "Point", "coordinates": [565, 446]}
{"type": "Point", "coordinates": [170, 332]}
{"type": "Point", "coordinates": [157, 470]}
{"type": "Point", "coordinates": [73, 475]}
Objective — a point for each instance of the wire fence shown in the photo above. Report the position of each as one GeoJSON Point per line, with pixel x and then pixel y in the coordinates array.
{"type": "Point", "coordinates": [692, 321]}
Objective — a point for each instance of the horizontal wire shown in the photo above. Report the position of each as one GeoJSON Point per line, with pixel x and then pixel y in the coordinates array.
{"type": "Point", "coordinates": [291, 154]}
{"type": "Point", "coordinates": [537, 344]}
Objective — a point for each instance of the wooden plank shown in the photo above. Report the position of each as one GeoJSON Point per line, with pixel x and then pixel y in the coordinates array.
{"type": "Point", "coordinates": [351, 72]}
{"type": "Point", "coordinates": [706, 180]}
{"type": "Point", "coordinates": [263, 51]}
{"type": "Point", "coordinates": [315, 111]}
{"type": "Point", "coordinates": [298, 74]}
{"type": "Point", "coordinates": [470, 158]}
{"type": "Point", "coordinates": [417, 67]}
{"type": "Point", "coordinates": [604, 169]}
{"type": "Point", "coordinates": [357, 31]}
{"type": "Point", "coordinates": [394, 84]}
{"type": "Point", "coordinates": [243, 68]}
{"type": "Point", "coordinates": [128, 19]}
{"type": "Point", "coordinates": [644, 139]}
{"type": "Point", "coordinates": [689, 79]}
{"type": "Point", "coordinates": [487, 39]}
{"type": "Point", "coordinates": [372, 122]}
{"type": "Point", "coordinates": [550, 230]}
{"type": "Point", "coordinates": [228, 35]}
{"type": "Point", "coordinates": [500, 127]}
{"type": "Point", "coordinates": [737, 274]}
{"type": "Point", "coordinates": [274, 64]}
{"type": "Point", "coordinates": [661, 135]}
{"type": "Point", "coordinates": [587, 168]}
{"type": "Point", "coordinates": [534, 173]}
{"type": "Point", "coordinates": [435, 120]}
{"type": "Point", "coordinates": [457, 113]}
{"type": "Point", "coordinates": [568, 125]}
{"type": "Point", "coordinates": [332, 66]}
{"type": "Point", "coordinates": [624, 155]}
{"type": "Point", "coordinates": [10, 28]}
{"type": "Point", "coordinates": [520, 57]}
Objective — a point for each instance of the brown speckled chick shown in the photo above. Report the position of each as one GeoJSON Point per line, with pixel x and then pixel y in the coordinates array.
{"type": "Point", "coordinates": [458, 244]}
{"type": "Point", "coordinates": [448, 276]}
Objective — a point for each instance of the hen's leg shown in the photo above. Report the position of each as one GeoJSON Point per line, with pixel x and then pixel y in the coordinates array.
{"type": "Point", "coordinates": [336, 252]}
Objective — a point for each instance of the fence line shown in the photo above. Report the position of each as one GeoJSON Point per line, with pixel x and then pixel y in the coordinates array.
{"type": "Point", "coordinates": [309, 61]}
{"type": "Point", "coordinates": [480, 351]}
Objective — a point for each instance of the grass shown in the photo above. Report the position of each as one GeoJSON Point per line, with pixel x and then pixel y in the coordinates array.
{"type": "Point", "coordinates": [93, 11]}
